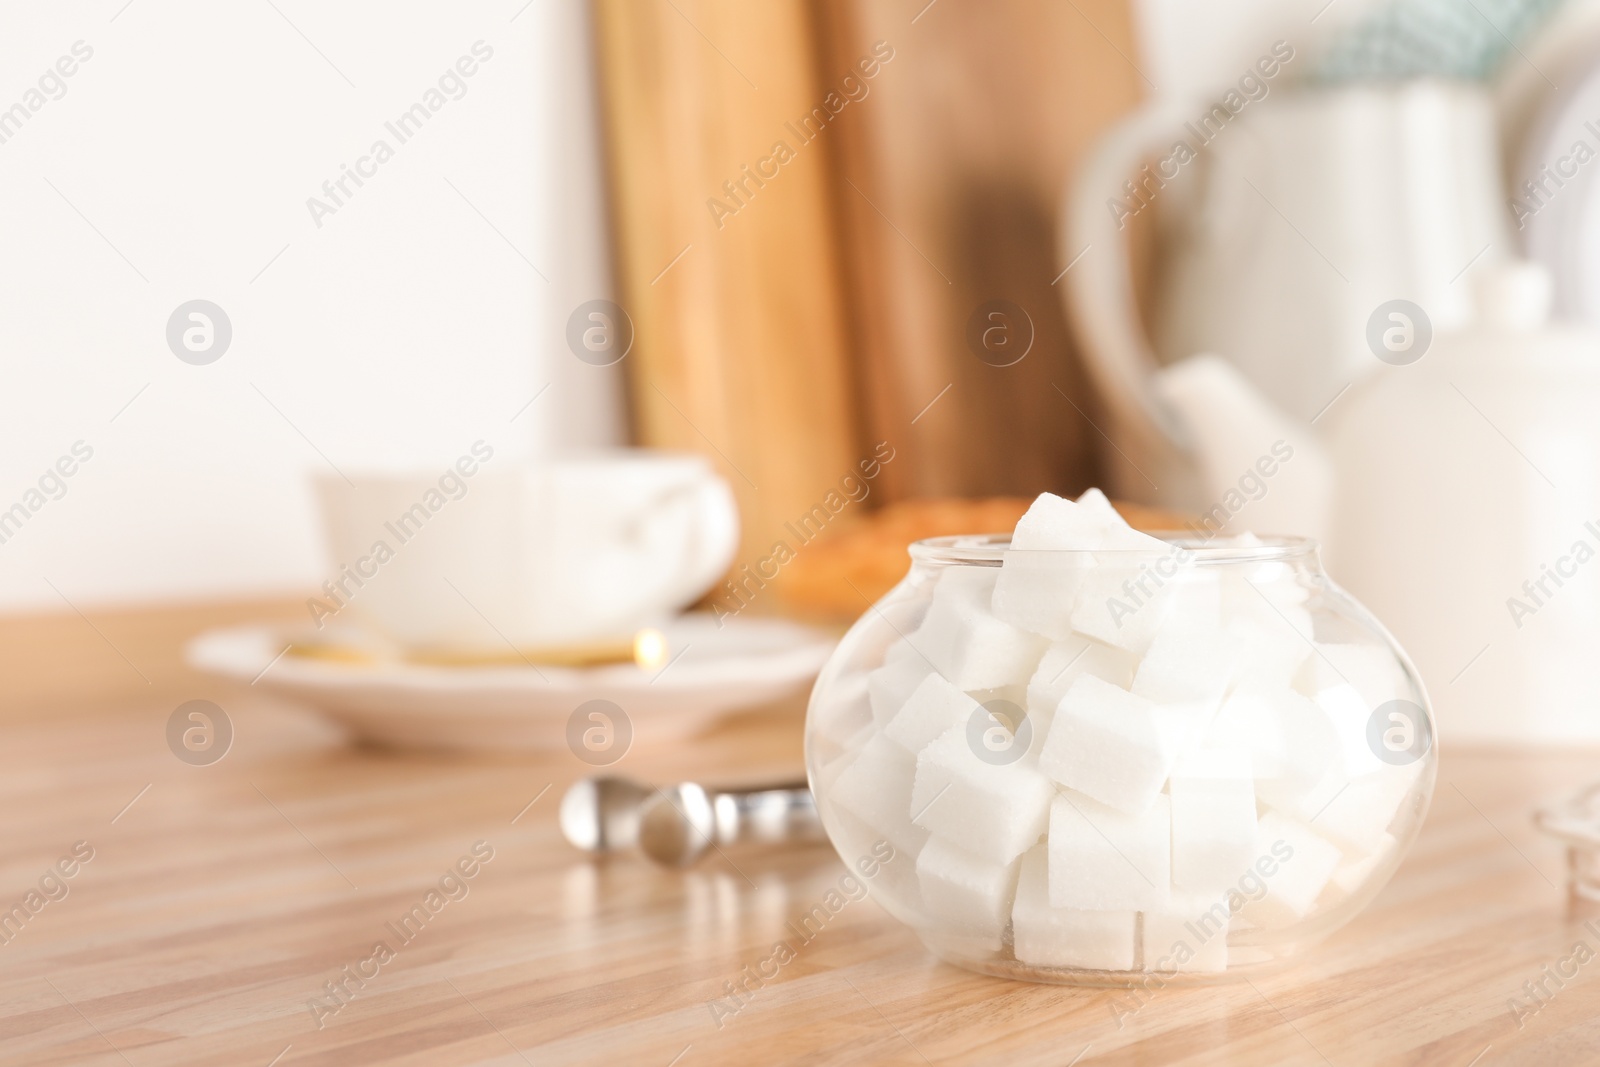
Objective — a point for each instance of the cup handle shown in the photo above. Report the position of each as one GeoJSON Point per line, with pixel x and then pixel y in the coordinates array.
{"type": "Point", "coordinates": [715, 540]}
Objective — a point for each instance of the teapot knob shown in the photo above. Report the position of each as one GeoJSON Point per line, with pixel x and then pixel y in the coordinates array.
{"type": "Point", "coordinates": [1514, 295]}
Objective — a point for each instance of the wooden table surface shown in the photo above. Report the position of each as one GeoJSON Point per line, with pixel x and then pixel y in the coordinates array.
{"type": "Point", "coordinates": [221, 899]}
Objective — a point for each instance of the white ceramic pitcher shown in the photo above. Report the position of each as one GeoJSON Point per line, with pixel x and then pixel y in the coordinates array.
{"type": "Point", "coordinates": [1294, 220]}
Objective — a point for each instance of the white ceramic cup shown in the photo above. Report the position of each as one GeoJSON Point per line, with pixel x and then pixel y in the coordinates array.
{"type": "Point", "coordinates": [488, 555]}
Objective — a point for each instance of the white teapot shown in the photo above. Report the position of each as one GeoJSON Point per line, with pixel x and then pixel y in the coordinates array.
{"type": "Point", "coordinates": [1466, 515]}
{"type": "Point", "coordinates": [1456, 487]}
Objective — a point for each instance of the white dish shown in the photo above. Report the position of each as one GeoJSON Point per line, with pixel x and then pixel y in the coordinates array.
{"type": "Point", "coordinates": [712, 671]}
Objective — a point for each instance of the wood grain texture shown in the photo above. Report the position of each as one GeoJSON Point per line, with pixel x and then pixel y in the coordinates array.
{"type": "Point", "coordinates": [740, 350]}
{"type": "Point", "coordinates": [110, 656]}
{"type": "Point", "coordinates": [950, 183]}
{"type": "Point", "coordinates": [222, 900]}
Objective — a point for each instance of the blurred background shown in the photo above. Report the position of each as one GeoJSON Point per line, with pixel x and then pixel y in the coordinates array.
{"type": "Point", "coordinates": [959, 235]}
{"type": "Point", "coordinates": [411, 410]}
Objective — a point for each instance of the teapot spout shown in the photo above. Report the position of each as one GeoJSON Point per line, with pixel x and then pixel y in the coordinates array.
{"type": "Point", "coordinates": [1260, 470]}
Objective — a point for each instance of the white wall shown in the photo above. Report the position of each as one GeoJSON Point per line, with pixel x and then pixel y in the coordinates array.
{"type": "Point", "coordinates": [396, 334]}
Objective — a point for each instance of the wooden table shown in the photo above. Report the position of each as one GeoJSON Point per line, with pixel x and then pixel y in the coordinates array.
{"type": "Point", "coordinates": [221, 899]}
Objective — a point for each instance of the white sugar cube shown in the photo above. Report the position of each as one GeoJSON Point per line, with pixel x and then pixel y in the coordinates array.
{"type": "Point", "coordinates": [1185, 664]}
{"type": "Point", "coordinates": [1302, 864]}
{"type": "Point", "coordinates": [1262, 590]}
{"type": "Point", "coordinates": [845, 728]}
{"type": "Point", "coordinates": [1036, 589]}
{"type": "Point", "coordinates": [931, 709]}
{"type": "Point", "coordinates": [1087, 524]}
{"type": "Point", "coordinates": [1010, 699]}
{"type": "Point", "coordinates": [828, 773]}
{"type": "Point", "coordinates": [1249, 722]}
{"type": "Point", "coordinates": [1267, 652]}
{"type": "Point", "coordinates": [1114, 746]}
{"type": "Point", "coordinates": [1007, 721]}
{"type": "Point", "coordinates": [895, 887]}
{"type": "Point", "coordinates": [1063, 663]}
{"type": "Point", "coordinates": [1358, 818]}
{"type": "Point", "coordinates": [1126, 603]}
{"type": "Point", "coordinates": [1312, 772]}
{"type": "Point", "coordinates": [1105, 611]}
{"type": "Point", "coordinates": [900, 650]}
{"type": "Point", "coordinates": [1267, 590]}
{"type": "Point", "coordinates": [1190, 935]}
{"type": "Point", "coordinates": [1014, 693]}
{"type": "Point", "coordinates": [1352, 875]}
{"type": "Point", "coordinates": [1102, 859]}
{"type": "Point", "coordinates": [1047, 936]}
{"type": "Point", "coordinates": [876, 788]}
{"type": "Point", "coordinates": [964, 642]}
{"type": "Point", "coordinates": [1272, 626]}
{"type": "Point", "coordinates": [1292, 795]}
{"type": "Point", "coordinates": [971, 894]}
{"type": "Point", "coordinates": [994, 811]}
{"type": "Point", "coordinates": [1350, 716]}
{"type": "Point", "coordinates": [1213, 820]}
{"type": "Point", "coordinates": [1111, 529]}
{"type": "Point", "coordinates": [890, 685]}
{"type": "Point", "coordinates": [1370, 668]}
{"type": "Point", "coordinates": [974, 583]}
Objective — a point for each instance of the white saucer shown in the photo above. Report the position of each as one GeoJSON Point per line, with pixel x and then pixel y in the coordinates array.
{"type": "Point", "coordinates": [745, 662]}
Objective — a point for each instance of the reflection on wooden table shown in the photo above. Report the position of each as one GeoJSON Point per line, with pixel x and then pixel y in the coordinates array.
{"type": "Point", "coordinates": [307, 898]}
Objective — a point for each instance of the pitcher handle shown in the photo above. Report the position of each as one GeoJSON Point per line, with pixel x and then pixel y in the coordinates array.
{"type": "Point", "coordinates": [1099, 290]}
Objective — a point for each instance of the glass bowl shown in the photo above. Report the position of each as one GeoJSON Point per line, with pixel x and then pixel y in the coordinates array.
{"type": "Point", "coordinates": [1102, 767]}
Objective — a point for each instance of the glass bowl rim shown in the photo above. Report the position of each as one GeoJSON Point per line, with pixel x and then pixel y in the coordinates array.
{"type": "Point", "coordinates": [992, 549]}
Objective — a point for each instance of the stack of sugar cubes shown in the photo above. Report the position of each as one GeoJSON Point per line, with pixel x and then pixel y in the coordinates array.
{"type": "Point", "coordinates": [1195, 762]}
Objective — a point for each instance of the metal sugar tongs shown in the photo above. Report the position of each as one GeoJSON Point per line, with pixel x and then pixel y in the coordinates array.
{"type": "Point", "coordinates": [678, 824]}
